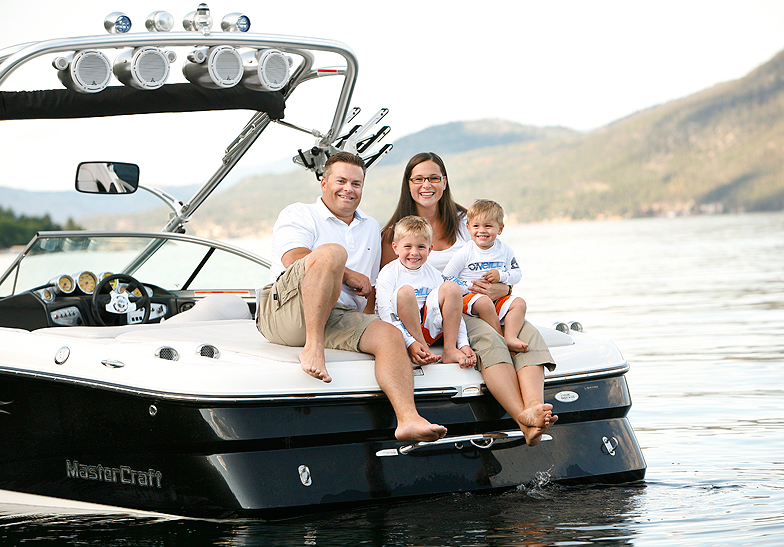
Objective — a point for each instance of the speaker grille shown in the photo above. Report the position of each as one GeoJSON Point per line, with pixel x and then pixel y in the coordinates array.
{"type": "Point", "coordinates": [151, 68]}
{"type": "Point", "coordinates": [91, 70]}
{"type": "Point", "coordinates": [228, 66]}
{"type": "Point", "coordinates": [276, 70]}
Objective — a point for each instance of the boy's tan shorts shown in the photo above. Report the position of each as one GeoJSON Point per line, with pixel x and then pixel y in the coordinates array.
{"type": "Point", "coordinates": [280, 317]}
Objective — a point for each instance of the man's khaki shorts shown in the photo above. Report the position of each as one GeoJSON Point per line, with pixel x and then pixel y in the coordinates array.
{"type": "Point", "coordinates": [281, 320]}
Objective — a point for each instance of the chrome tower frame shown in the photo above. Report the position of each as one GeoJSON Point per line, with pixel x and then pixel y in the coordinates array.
{"type": "Point", "coordinates": [14, 57]}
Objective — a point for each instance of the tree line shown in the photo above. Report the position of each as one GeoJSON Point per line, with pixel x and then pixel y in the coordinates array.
{"type": "Point", "coordinates": [18, 230]}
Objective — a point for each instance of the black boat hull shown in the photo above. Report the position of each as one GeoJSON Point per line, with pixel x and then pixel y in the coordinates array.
{"type": "Point", "coordinates": [275, 458]}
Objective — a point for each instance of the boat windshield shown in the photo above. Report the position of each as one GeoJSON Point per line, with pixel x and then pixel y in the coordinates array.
{"type": "Point", "coordinates": [174, 263]}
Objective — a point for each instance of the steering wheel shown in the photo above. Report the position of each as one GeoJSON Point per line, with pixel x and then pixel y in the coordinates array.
{"type": "Point", "coordinates": [111, 302]}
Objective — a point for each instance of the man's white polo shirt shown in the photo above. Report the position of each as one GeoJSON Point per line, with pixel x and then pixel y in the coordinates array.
{"type": "Point", "coordinates": [311, 225]}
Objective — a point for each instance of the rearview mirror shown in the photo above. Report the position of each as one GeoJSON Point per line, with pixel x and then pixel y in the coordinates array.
{"type": "Point", "coordinates": [106, 177]}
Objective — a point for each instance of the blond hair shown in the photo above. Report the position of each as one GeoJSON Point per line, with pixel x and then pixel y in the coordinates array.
{"type": "Point", "coordinates": [486, 208]}
{"type": "Point", "coordinates": [413, 225]}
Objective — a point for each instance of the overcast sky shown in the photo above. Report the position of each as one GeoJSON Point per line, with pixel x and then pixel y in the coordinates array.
{"type": "Point", "coordinates": [572, 63]}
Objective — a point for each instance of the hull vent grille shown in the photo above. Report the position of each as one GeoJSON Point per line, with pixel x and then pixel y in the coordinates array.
{"type": "Point", "coordinates": [208, 350]}
{"type": "Point", "coordinates": [168, 353]}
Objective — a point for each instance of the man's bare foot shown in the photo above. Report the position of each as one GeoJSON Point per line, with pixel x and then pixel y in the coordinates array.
{"type": "Point", "coordinates": [535, 421]}
{"type": "Point", "coordinates": [516, 345]}
{"type": "Point", "coordinates": [313, 363]}
{"type": "Point", "coordinates": [419, 429]}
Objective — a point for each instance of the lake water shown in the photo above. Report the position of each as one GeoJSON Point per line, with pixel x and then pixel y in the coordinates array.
{"type": "Point", "coordinates": [696, 305]}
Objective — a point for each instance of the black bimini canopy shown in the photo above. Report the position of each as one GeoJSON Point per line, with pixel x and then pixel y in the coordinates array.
{"type": "Point", "coordinates": [119, 101]}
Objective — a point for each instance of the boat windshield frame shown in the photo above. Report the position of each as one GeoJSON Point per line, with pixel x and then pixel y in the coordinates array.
{"type": "Point", "coordinates": [66, 252]}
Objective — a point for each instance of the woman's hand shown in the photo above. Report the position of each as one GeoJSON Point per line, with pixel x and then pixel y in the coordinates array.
{"type": "Point", "coordinates": [493, 290]}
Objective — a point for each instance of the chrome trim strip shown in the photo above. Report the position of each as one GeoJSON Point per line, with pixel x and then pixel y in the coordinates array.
{"type": "Point", "coordinates": [496, 435]}
{"type": "Point", "coordinates": [593, 375]}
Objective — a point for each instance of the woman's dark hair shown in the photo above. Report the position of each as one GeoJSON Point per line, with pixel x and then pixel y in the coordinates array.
{"type": "Point", "coordinates": [447, 208]}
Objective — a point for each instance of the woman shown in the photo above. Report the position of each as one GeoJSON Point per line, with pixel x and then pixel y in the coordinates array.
{"type": "Point", "coordinates": [518, 387]}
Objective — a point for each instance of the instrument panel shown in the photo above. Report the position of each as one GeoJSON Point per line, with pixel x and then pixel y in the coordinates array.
{"type": "Point", "coordinates": [78, 290]}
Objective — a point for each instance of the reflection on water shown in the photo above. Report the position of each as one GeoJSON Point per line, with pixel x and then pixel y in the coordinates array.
{"type": "Point", "coordinates": [697, 307]}
{"type": "Point", "coordinates": [526, 516]}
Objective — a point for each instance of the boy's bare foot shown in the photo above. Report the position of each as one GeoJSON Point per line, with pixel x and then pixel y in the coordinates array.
{"type": "Point", "coordinates": [454, 355]}
{"type": "Point", "coordinates": [470, 360]}
{"type": "Point", "coordinates": [536, 420]}
{"type": "Point", "coordinates": [313, 363]}
{"type": "Point", "coordinates": [516, 345]}
{"type": "Point", "coordinates": [419, 429]}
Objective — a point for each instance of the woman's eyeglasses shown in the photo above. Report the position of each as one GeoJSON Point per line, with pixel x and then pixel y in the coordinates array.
{"type": "Point", "coordinates": [435, 179]}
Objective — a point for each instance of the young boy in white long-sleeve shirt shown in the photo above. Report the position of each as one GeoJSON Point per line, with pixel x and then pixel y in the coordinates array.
{"type": "Point", "coordinates": [488, 258]}
{"type": "Point", "coordinates": [416, 298]}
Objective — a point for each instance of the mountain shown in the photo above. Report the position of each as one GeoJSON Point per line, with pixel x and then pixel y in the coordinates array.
{"type": "Point", "coordinates": [457, 137]}
{"type": "Point", "coordinates": [251, 206]}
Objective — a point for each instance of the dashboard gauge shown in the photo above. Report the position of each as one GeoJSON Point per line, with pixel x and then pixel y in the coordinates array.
{"type": "Point", "coordinates": [47, 294]}
{"type": "Point", "coordinates": [138, 293]}
{"type": "Point", "coordinates": [87, 282]}
{"type": "Point", "coordinates": [104, 275]}
{"type": "Point", "coordinates": [64, 284]}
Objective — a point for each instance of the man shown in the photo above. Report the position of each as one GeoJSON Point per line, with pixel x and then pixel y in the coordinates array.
{"type": "Point", "coordinates": [331, 252]}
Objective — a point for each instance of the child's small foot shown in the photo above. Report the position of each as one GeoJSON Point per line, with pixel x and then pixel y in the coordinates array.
{"type": "Point", "coordinates": [516, 345]}
{"type": "Point", "coordinates": [454, 355]}
{"type": "Point", "coordinates": [470, 357]}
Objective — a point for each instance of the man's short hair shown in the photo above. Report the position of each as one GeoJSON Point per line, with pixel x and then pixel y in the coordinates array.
{"type": "Point", "coordinates": [344, 157]}
{"type": "Point", "coordinates": [413, 225]}
{"type": "Point", "coordinates": [486, 208]}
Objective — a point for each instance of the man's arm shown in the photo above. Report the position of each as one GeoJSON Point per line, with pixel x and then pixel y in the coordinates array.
{"type": "Point", "coordinates": [354, 280]}
{"type": "Point", "coordinates": [290, 257]}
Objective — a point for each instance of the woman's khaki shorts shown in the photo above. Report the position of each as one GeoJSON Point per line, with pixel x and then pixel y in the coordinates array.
{"type": "Point", "coordinates": [491, 347]}
{"type": "Point", "coordinates": [281, 319]}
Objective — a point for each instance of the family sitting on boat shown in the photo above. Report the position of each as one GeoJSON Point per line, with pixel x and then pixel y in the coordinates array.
{"type": "Point", "coordinates": [329, 254]}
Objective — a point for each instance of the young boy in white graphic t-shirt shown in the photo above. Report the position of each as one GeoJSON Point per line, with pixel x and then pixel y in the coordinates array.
{"type": "Point", "coordinates": [486, 257]}
{"type": "Point", "coordinates": [416, 298]}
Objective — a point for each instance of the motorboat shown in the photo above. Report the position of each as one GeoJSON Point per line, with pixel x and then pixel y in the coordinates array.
{"type": "Point", "coordinates": [132, 375]}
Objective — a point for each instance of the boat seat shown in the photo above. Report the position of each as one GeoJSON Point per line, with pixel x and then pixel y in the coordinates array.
{"type": "Point", "coordinates": [240, 336]}
{"type": "Point", "coordinates": [237, 335]}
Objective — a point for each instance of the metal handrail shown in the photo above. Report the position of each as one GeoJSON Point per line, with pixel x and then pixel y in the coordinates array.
{"type": "Point", "coordinates": [487, 440]}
